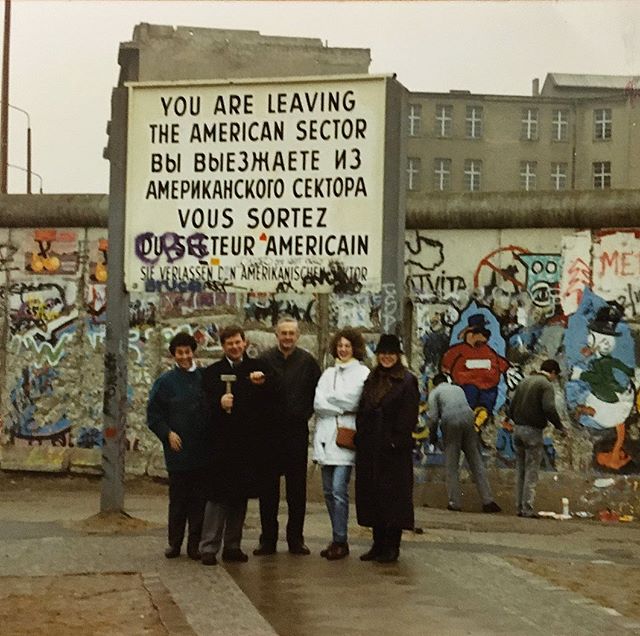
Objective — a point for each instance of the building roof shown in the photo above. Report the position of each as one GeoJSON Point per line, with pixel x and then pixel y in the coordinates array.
{"type": "Point", "coordinates": [577, 81]}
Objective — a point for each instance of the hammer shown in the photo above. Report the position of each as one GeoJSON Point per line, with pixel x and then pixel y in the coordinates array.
{"type": "Point", "coordinates": [229, 378]}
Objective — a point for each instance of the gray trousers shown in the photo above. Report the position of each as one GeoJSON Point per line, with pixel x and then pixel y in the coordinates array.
{"type": "Point", "coordinates": [460, 435]}
{"type": "Point", "coordinates": [529, 445]}
{"type": "Point", "coordinates": [222, 520]}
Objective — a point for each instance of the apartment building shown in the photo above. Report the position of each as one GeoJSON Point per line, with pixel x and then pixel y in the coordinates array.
{"type": "Point", "coordinates": [580, 132]}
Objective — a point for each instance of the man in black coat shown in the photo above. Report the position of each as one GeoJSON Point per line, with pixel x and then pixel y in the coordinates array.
{"type": "Point", "coordinates": [297, 375]}
{"type": "Point", "coordinates": [239, 396]}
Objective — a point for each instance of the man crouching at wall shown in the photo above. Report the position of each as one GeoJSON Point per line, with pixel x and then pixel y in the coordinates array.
{"type": "Point", "coordinates": [175, 413]}
{"type": "Point", "coordinates": [239, 400]}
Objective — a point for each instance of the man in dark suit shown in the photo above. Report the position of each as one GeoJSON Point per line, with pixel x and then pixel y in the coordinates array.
{"type": "Point", "coordinates": [239, 413]}
{"type": "Point", "coordinates": [297, 374]}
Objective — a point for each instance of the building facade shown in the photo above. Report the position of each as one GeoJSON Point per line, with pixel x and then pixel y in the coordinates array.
{"type": "Point", "coordinates": [581, 132]}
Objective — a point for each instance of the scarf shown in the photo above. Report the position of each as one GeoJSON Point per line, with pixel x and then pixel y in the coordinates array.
{"type": "Point", "coordinates": [379, 383]}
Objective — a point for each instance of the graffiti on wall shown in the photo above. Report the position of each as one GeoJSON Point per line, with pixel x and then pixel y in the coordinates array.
{"type": "Point", "coordinates": [34, 385]}
{"type": "Point", "coordinates": [206, 335]}
{"type": "Point", "coordinates": [51, 252]}
{"type": "Point", "coordinates": [475, 360]}
{"type": "Point", "coordinates": [601, 391]}
{"type": "Point", "coordinates": [563, 296]}
{"type": "Point", "coordinates": [269, 308]}
{"type": "Point", "coordinates": [195, 303]}
{"type": "Point", "coordinates": [543, 282]}
{"type": "Point", "coordinates": [142, 312]}
{"type": "Point", "coordinates": [96, 303]}
{"type": "Point", "coordinates": [426, 272]}
{"type": "Point", "coordinates": [7, 255]}
{"type": "Point", "coordinates": [98, 260]}
{"type": "Point", "coordinates": [355, 310]}
{"type": "Point", "coordinates": [42, 317]}
{"type": "Point", "coordinates": [616, 268]}
{"type": "Point", "coordinates": [512, 298]}
{"type": "Point", "coordinates": [44, 309]}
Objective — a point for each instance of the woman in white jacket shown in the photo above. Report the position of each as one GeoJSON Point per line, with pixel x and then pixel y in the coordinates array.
{"type": "Point", "coordinates": [336, 401]}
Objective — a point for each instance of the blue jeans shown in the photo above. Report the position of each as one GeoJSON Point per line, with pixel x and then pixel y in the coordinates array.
{"type": "Point", "coordinates": [335, 485]}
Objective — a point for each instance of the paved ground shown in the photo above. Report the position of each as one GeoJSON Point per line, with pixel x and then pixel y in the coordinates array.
{"type": "Point", "coordinates": [467, 574]}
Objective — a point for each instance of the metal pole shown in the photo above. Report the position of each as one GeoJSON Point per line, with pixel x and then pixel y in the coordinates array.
{"type": "Point", "coordinates": [116, 343]}
{"type": "Point", "coordinates": [29, 161]}
{"type": "Point", "coordinates": [4, 107]}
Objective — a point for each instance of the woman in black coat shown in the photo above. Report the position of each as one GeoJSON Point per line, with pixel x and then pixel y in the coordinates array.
{"type": "Point", "coordinates": [387, 416]}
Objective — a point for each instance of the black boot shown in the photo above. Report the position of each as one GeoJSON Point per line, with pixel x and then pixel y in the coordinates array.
{"type": "Point", "coordinates": [391, 550]}
{"type": "Point", "coordinates": [379, 538]}
{"type": "Point", "coordinates": [390, 555]}
{"type": "Point", "coordinates": [373, 553]}
{"type": "Point", "coordinates": [172, 552]}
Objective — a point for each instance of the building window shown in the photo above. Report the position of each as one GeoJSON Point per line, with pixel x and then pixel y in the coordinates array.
{"type": "Point", "coordinates": [415, 115]}
{"type": "Point", "coordinates": [473, 121]}
{"type": "Point", "coordinates": [528, 175]}
{"type": "Point", "coordinates": [529, 128]}
{"type": "Point", "coordinates": [442, 174]}
{"type": "Point", "coordinates": [559, 176]}
{"type": "Point", "coordinates": [472, 174]}
{"type": "Point", "coordinates": [444, 120]}
{"type": "Point", "coordinates": [413, 173]}
{"type": "Point", "coordinates": [601, 175]}
{"type": "Point", "coordinates": [560, 125]}
{"type": "Point", "coordinates": [602, 124]}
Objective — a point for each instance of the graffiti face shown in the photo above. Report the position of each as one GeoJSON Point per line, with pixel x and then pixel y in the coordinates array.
{"type": "Point", "coordinates": [543, 280]}
{"type": "Point", "coordinates": [600, 344]}
{"type": "Point", "coordinates": [475, 338]}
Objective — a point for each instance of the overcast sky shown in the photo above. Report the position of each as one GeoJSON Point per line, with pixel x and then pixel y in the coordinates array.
{"type": "Point", "coordinates": [64, 57]}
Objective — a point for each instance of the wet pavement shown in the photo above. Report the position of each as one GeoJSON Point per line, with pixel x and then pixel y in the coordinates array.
{"type": "Point", "coordinates": [456, 578]}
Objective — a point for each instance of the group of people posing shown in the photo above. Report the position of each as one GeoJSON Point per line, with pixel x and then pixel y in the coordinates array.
{"type": "Point", "coordinates": [232, 430]}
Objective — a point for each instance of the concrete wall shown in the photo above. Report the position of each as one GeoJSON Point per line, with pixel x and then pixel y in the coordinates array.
{"type": "Point", "coordinates": [541, 293]}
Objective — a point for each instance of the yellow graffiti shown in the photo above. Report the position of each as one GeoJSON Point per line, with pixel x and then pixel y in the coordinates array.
{"type": "Point", "coordinates": [39, 310]}
{"type": "Point", "coordinates": [47, 263]}
{"type": "Point", "coordinates": [482, 415]}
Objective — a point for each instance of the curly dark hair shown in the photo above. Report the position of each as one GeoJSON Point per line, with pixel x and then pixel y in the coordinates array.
{"type": "Point", "coordinates": [354, 337]}
{"type": "Point", "coordinates": [182, 339]}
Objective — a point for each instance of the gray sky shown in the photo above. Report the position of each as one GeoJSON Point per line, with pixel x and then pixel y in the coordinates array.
{"type": "Point", "coordinates": [64, 57]}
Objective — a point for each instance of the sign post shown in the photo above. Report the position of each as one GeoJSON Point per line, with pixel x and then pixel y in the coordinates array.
{"type": "Point", "coordinates": [116, 349]}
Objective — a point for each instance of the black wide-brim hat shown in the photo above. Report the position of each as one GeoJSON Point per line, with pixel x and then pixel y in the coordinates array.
{"type": "Point", "coordinates": [389, 343]}
{"type": "Point", "coordinates": [607, 318]}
